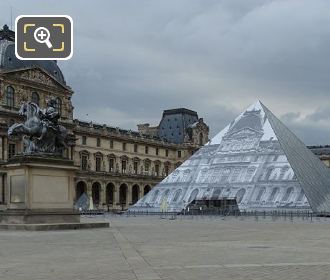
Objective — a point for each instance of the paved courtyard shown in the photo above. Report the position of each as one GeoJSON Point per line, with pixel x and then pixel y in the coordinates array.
{"type": "Point", "coordinates": [185, 248]}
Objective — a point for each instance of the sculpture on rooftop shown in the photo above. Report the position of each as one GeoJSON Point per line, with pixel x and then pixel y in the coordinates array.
{"type": "Point", "coordinates": [41, 132]}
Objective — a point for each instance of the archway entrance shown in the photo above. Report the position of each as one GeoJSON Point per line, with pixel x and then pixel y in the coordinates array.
{"type": "Point", "coordinates": [146, 189]}
{"type": "Point", "coordinates": [96, 189]}
{"type": "Point", "coordinates": [110, 194]}
{"type": "Point", "coordinates": [80, 189]}
{"type": "Point", "coordinates": [135, 193]}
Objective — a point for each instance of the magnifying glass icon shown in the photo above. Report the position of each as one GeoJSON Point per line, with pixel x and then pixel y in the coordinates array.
{"type": "Point", "coordinates": [41, 35]}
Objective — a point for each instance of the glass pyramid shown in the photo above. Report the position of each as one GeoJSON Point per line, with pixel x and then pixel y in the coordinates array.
{"type": "Point", "coordinates": [257, 160]}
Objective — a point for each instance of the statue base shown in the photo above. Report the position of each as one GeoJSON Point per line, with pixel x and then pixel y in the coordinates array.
{"type": "Point", "coordinates": [39, 189]}
{"type": "Point", "coordinates": [38, 216]}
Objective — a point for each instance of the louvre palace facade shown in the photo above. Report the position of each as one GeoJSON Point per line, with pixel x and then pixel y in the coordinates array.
{"type": "Point", "coordinates": [116, 166]}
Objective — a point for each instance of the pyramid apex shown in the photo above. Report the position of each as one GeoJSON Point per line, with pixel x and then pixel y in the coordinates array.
{"type": "Point", "coordinates": [257, 105]}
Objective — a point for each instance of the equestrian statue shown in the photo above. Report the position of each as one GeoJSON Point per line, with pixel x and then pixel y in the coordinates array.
{"type": "Point", "coordinates": [42, 134]}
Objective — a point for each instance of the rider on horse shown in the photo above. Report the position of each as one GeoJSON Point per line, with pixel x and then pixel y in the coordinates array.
{"type": "Point", "coordinates": [49, 118]}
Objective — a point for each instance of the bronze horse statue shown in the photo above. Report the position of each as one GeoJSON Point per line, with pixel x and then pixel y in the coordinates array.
{"type": "Point", "coordinates": [41, 133]}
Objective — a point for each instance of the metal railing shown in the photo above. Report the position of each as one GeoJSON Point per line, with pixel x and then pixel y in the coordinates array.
{"type": "Point", "coordinates": [284, 215]}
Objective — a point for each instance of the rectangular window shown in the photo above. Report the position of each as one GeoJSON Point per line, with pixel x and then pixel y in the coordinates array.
{"type": "Point", "coordinates": [124, 146]}
{"type": "Point", "coordinates": [84, 162]}
{"type": "Point", "coordinates": [111, 164]}
{"type": "Point", "coordinates": [136, 166]}
{"type": "Point", "coordinates": [98, 142]}
{"type": "Point", "coordinates": [166, 170]}
{"type": "Point", "coordinates": [157, 151]}
{"type": "Point", "coordinates": [146, 167]}
{"type": "Point", "coordinates": [135, 148]}
{"type": "Point", "coordinates": [84, 140]}
{"type": "Point", "coordinates": [10, 97]}
{"type": "Point", "coordinates": [166, 152]}
{"type": "Point", "coordinates": [123, 166]}
{"type": "Point", "coordinates": [98, 164]}
{"type": "Point", "coordinates": [11, 150]}
{"type": "Point", "coordinates": [111, 144]}
{"type": "Point", "coordinates": [157, 169]}
{"type": "Point", "coordinates": [179, 154]}
{"type": "Point", "coordinates": [146, 149]}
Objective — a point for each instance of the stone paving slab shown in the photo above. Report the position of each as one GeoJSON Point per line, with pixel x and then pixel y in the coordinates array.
{"type": "Point", "coordinates": [153, 248]}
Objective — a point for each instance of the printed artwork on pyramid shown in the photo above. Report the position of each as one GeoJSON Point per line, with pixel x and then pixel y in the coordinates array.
{"type": "Point", "coordinates": [254, 160]}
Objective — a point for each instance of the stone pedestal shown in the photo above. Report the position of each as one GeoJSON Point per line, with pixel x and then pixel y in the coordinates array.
{"type": "Point", "coordinates": [39, 190]}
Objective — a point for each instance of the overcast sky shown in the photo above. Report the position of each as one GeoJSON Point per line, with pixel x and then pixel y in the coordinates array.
{"type": "Point", "coordinates": [133, 59]}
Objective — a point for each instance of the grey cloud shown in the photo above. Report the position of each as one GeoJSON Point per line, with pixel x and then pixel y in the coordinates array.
{"type": "Point", "coordinates": [322, 114]}
{"type": "Point", "coordinates": [290, 117]}
{"type": "Point", "coordinates": [133, 59]}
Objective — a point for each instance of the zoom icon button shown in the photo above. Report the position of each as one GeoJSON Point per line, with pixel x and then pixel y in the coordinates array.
{"type": "Point", "coordinates": [43, 37]}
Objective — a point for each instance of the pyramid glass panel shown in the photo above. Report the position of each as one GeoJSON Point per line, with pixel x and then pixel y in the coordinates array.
{"type": "Point", "coordinates": [255, 160]}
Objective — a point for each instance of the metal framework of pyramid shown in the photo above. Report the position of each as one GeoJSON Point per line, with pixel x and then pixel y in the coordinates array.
{"type": "Point", "coordinates": [257, 160]}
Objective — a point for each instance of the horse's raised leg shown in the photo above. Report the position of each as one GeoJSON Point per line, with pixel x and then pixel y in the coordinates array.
{"type": "Point", "coordinates": [17, 129]}
{"type": "Point", "coordinates": [43, 133]}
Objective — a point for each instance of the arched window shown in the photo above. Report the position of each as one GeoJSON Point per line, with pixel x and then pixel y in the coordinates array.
{"type": "Point", "coordinates": [260, 194]}
{"type": "Point", "coordinates": [239, 196]}
{"type": "Point", "coordinates": [301, 196]}
{"type": "Point", "coordinates": [110, 193]}
{"type": "Point", "coordinates": [58, 105]}
{"type": "Point", "coordinates": [287, 194]}
{"type": "Point", "coordinates": [146, 189]}
{"type": "Point", "coordinates": [10, 96]}
{"type": "Point", "coordinates": [165, 196]}
{"type": "Point", "coordinates": [123, 194]}
{"type": "Point", "coordinates": [193, 195]}
{"type": "Point", "coordinates": [80, 189]}
{"type": "Point", "coordinates": [177, 195]}
{"type": "Point", "coordinates": [273, 194]}
{"type": "Point", "coordinates": [155, 195]}
{"type": "Point", "coordinates": [35, 98]}
{"type": "Point", "coordinates": [135, 193]}
{"type": "Point", "coordinates": [216, 193]}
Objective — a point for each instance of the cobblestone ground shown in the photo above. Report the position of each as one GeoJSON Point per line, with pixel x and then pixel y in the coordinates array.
{"type": "Point", "coordinates": [185, 248]}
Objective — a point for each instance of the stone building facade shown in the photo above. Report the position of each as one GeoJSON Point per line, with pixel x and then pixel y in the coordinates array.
{"type": "Point", "coordinates": [323, 152]}
{"type": "Point", "coordinates": [116, 166]}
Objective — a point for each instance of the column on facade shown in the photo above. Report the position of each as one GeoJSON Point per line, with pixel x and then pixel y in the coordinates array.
{"type": "Point", "coordinates": [89, 188]}
{"type": "Point", "coordinates": [140, 194]}
{"type": "Point", "coordinates": [116, 195]}
{"type": "Point", "coordinates": [5, 148]}
{"type": "Point", "coordinates": [103, 193]}
{"type": "Point", "coordinates": [129, 194]}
